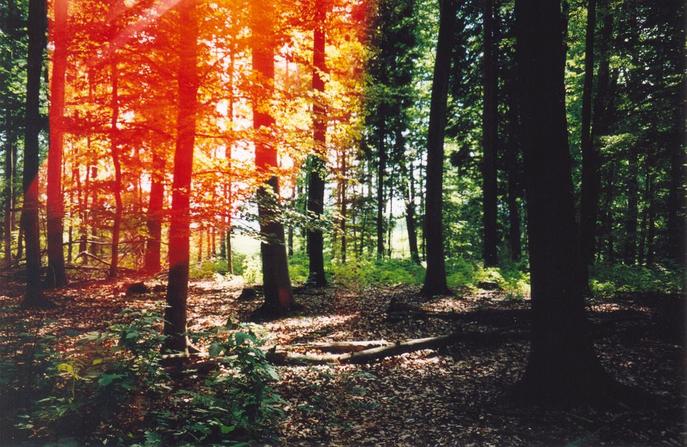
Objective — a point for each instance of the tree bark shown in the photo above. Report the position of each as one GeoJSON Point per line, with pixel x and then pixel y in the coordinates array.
{"type": "Point", "coordinates": [179, 231]}
{"type": "Point", "coordinates": [57, 276]}
{"type": "Point", "coordinates": [435, 278]}
{"type": "Point", "coordinates": [590, 155]}
{"type": "Point", "coordinates": [275, 272]}
{"type": "Point", "coordinates": [8, 191]}
{"type": "Point", "coordinates": [152, 263]}
{"type": "Point", "coordinates": [630, 242]}
{"type": "Point", "coordinates": [117, 183]}
{"type": "Point", "coordinates": [29, 217]}
{"type": "Point", "coordinates": [381, 173]}
{"type": "Point", "coordinates": [489, 140]}
{"type": "Point", "coordinates": [562, 366]}
{"type": "Point", "coordinates": [315, 180]}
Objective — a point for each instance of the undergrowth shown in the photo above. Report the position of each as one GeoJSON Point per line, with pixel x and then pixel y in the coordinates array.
{"type": "Point", "coordinates": [511, 278]}
{"type": "Point", "coordinates": [113, 388]}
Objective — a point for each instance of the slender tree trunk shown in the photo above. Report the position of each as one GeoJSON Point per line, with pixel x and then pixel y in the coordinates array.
{"type": "Point", "coordinates": [11, 26]}
{"type": "Point", "coordinates": [390, 218]}
{"type": "Point", "coordinates": [630, 242]}
{"type": "Point", "coordinates": [179, 231]}
{"type": "Point", "coordinates": [562, 366]}
{"type": "Point", "coordinates": [407, 187]}
{"type": "Point", "coordinates": [677, 193]}
{"type": "Point", "coordinates": [590, 155]}
{"type": "Point", "coordinates": [435, 278]}
{"type": "Point", "coordinates": [514, 230]}
{"type": "Point", "coordinates": [117, 184]}
{"type": "Point", "coordinates": [344, 205]}
{"type": "Point", "coordinates": [651, 205]}
{"type": "Point", "coordinates": [381, 172]}
{"type": "Point", "coordinates": [411, 223]}
{"type": "Point", "coordinates": [599, 126]}
{"type": "Point", "coordinates": [152, 263]}
{"type": "Point", "coordinates": [29, 217]}
{"type": "Point", "coordinates": [199, 258]}
{"type": "Point", "coordinates": [607, 219]}
{"type": "Point", "coordinates": [8, 189]}
{"type": "Point", "coordinates": [57, 276]}
{"type": "Point", "coordinates": [489, 140]}
{"type": "Point", "coordinates": [275, 272]}
{"type": "Point", "coordinates": [316, 181]}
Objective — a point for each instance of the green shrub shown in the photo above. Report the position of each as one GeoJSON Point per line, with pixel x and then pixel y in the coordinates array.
{"type": "Point", "coordinates": [362, 273]}
{"type": "Point", "coordinates": [298, 268]}
{"type": "Point", "coordinates": [608, 280]}
{"type": "Point", "coordinates": [112, 373]}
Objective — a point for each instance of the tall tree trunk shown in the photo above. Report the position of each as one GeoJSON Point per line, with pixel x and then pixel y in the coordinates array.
{"type": "Point", "coordinates": [117, 184]}
{"type": "Point", "coordinates": [407, 187]}
{"type": "Point", "coordinates": [677, 193]}
{"type": "Point", "coordinates": [513, 170]}
{"type": "Point", "coordinates": [435, 278]}
{"type": "Point", "coordinates": [411, 222]}
{"type": "Point", "coordinates": [344, 205]}
{"type": "Point", "coordinates": [630, 242]}
{"type": "Point", "coordinates": [315, 180]}
{"type": "Point", "coordinates": [562, 365]}
{"type": "Point", "coordinates": [590, 155]}
{"type": "Point", "coordinates": [179, 230]}
{"type": "Point", "coordinates": [29, 217]}
{"type": "Point", "coordinates": [599, 126]}
{"type": "Point", "coordinates": [390, 218]}
{"type": "Point", "coordinates": [152, 255]}
{"type": "Point", "coordinates": [651, 205]}
{"type": "Point", "coordinates": [514, 239]}
{"type": "Point", "coordinates": [275, 272]}
{"type": "Point", "coordinates": [57, 276]}
{"type": "Point", "coordinates": [489, 139]}
{"type": "Point", "coordinates": [8, 188]}
{"type": "Point", "coordinates": [11, 26]}
{"type": "Point", "coordinates": [381, 172]}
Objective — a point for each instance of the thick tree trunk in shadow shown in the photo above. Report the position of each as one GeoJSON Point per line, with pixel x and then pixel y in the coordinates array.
{"type": "Point", "coordinates": [33, 296]}
{"type": "Point", "coordinates": [562, 367]}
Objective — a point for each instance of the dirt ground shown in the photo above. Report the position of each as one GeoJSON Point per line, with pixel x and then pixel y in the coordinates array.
{"type": "Point", "coordinates": [454, 396]}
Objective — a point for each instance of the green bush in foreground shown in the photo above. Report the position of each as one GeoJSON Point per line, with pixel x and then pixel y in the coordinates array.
{"type": "Point", "coordinates": [113, 387]}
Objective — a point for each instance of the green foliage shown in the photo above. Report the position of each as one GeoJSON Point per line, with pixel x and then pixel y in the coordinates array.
{"type": "Point", "coordinates": [233, 402]}
{"type": "Point", "coordinates": [208, 268]}
{"type": "Point", "coordinates": [361, 273]}
{"type": "Point", "coordinates": [609, 280]}
{"type": "Point", "coordinates": [113, 379]}
{"type": "Point", "coordinates": [252, 270]}
{"type": "Point", "coordinates": [298, 268]}
{"type": "Point", "coordinates": [512, 279]}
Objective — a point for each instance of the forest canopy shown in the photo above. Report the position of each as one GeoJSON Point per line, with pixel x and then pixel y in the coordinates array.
{"type": "Point", "coordinates": [187, 185]}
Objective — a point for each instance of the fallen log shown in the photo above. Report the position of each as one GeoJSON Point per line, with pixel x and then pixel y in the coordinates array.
{"type": "Point", "coordinates": [342, 346]}
{"type": "Point", "coordinates": [281, 357]}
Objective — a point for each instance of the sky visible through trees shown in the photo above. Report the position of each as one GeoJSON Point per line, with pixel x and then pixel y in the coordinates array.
{"type": "Point", "coordinates": [508, 170]}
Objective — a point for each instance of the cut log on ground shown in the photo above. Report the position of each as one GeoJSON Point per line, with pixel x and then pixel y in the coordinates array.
{"type": "Point", "coordinates": [342, 346]}
{"type": "Point", "coordinates": [281, 357]}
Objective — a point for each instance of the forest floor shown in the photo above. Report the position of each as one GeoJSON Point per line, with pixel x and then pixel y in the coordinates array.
{"type": "Point", "coordinates": [453, 396]}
